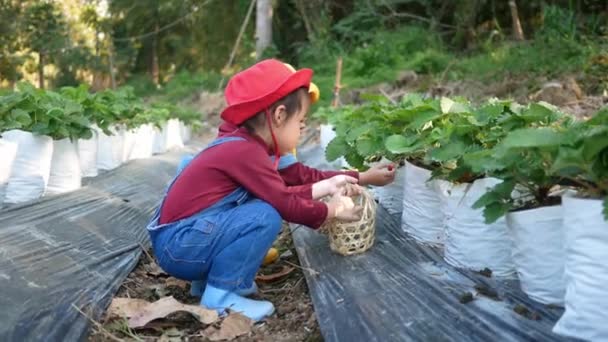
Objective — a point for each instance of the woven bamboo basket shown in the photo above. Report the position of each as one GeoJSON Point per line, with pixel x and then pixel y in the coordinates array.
{"type": "Point", "coordinates": [348, 238]}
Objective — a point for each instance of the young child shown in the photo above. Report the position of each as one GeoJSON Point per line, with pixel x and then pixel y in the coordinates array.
{"type": "Point", "coordinates": [225, 208]}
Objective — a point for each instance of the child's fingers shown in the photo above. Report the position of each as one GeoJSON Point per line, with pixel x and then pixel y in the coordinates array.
{"type": "Point", "coordinates": [386, 166]}
{"type": "Point", "coordinates": [351, 180]}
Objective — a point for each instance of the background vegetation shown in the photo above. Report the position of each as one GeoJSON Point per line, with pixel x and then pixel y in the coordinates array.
{"type": "Point", "coordinates": [170, 49]}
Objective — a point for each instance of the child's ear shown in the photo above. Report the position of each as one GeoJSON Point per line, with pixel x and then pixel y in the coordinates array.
{"type": "Point", "coordinates": [280, 115]}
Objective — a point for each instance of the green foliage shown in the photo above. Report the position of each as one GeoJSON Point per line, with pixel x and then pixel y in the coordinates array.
{"type": "Point", "coordinates": [43, 28]}
{"type": "Point", "coordinates": [71, 112]}
{"type": "Point", "coordinates": [43, 112]}
{"type": "Point", "coordinates": [532, 148]}
{"type": "Point", "coordinates": [179, 87]}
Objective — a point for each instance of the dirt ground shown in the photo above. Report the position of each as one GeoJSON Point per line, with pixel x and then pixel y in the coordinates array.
{"type": "Point", "coordinates": [294, 319]}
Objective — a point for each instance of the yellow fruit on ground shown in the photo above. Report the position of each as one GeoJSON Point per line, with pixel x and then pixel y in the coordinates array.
{"type": "Point", "coordinates": [271, 256]}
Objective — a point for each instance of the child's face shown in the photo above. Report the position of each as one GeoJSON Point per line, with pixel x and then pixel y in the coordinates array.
{"type": "Point", "coordinates": [288, 130]}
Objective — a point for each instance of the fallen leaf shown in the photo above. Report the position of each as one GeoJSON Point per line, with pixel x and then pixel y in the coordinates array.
{"type": "Point", "coordinates": [166, 306]}
{"type": "Point", "coordinates": [155, 271]}
{"type": "Point", "coordinates": [176, 282]}
{"type": "Point", "coordinates": [233, 326]}
{"type": "Point", "coordinates": [269, 278]}
{"type": "Point", "coordinates": [126, 307]}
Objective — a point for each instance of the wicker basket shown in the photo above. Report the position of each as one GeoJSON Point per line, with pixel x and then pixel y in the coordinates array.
{"type": "Point", "coordinates": [348, 238]}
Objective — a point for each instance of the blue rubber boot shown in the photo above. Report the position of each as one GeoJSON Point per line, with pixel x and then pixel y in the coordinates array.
{"type": "Point", "coordinates": [221, 300]}
{"type": "Point", "coordinates": [197, 287]}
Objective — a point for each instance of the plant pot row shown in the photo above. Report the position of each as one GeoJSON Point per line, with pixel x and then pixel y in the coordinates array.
{"type": "Point", "coordinates": [32, 166]}
{"type": "Point", "coordinates": [558, 252]}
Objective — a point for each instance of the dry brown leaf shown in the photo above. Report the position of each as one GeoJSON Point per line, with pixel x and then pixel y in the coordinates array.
{"type": "Point", "coordinates": [176, 282]}
{"type": "Point", "coordinates": [166, 306]}
{"type": "Point", "coordinates": [233, 326]}
{"type": "Point", "coordinates": [154, 270]}
{"type": "Point", "coordinates": [126, 307]}
{"type": "Point", "coordinates": [269, 278]}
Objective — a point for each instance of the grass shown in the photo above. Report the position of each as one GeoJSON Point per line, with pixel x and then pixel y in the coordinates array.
{"type": "Point", "coordinates": [384, 54]}
{"type": "Point", "coordinates": [182, 85]}
{"type": "Point", "coordinates": [414, 48]}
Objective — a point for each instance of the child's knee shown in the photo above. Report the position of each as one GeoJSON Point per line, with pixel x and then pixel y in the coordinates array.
{"type": "Point", "coordinates": [270, 216]}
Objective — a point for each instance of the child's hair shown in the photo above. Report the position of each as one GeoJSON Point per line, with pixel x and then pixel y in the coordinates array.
{"type": "Point", "coordinates": [292, 103]}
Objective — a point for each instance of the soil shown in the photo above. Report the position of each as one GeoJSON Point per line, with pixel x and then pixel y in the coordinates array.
{"type": "Point", "coordinates": [466, 297]}
{"type": "Point", "coordinates": [486, 272]}
{"type": "Point", "coordinates": [524, 311]}
{"type": "Point", "coordinates": [294, 319]}
{"type": "Point", "coordinates": [581, 101]}
{"type": "Point", "coordinates": [487, 292]}
{"type": "Point", "coordinates": [548, 202]}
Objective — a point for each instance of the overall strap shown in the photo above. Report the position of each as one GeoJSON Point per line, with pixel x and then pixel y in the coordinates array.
{"type": "Point", "coordinates": [185, 163]}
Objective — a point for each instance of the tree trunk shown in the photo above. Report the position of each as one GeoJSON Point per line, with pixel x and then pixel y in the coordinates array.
{"type": "Point", "coordinates": [112, 77]}
{"type": "Point", "coordinates": [301, 6]}
{"type": "Point", "coordinates": [155, 67]}
{"type": "Point", "coordinates": [263, 26]}
{"type": "Point", "coordinates": [40, 70]}
{"type": "Point", "coordinates": [465, 16]}
{"type": "Point", "coordinates": [517, 30]}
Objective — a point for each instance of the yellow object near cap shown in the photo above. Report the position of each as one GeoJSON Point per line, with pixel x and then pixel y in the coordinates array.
{"type": "Point", "coordinates": [313, 90]}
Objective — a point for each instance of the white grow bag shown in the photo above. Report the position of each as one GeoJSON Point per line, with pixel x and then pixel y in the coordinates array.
{"type": "Point", "coordinates": [110, 149]}
{"type": "Point", "coordinates": [186, 131]}
{"type": "Point", "coordinates": [172, 133]}
{"type": "Point", "coordinates": [143, 140]}
{"type": "Point", "coordinates": [327, 135]}
{"type": "Point", "coordinates": [66, 174]}
{"type": "Point", "coordinates": [87, 154]}
{"type": "Point", "coordinates": [469, 241]}
{"type": "Point", "coordinates": [586, 271]}
{"type": "Point", "coordinates": [8, 151]}
{"type": "Point", "coordinates": [421, 217]}
{"type": "Point", "coordinates": [538, 252]}
{"type": "Point", "coordinates": [31, 168]}
{"type": "Point", "coordinates": [159, 143]}
{"type": "Point", "coordinates": [129, 143]}
{"type": "Point", "coordinates": [167, 138]}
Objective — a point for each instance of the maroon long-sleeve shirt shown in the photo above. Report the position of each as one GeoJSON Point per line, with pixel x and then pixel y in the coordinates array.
{"type": "Point", "coordinates": [220, 170]}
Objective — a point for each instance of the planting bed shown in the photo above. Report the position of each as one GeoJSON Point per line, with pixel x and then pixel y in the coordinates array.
{"type": "Point", "coordinates": [403, 290]}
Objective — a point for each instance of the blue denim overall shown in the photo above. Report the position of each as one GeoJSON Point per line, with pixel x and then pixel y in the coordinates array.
{"type": "Point", "coordinates": [224, 244]}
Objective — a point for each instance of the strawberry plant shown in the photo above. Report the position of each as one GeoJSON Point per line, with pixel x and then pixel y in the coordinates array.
{"type": "Point", "coordinates": [523, 160]}
{"type": "Point", "coordinates": [356, 134]}
{"type": "Point", "coordinates": [466, 154]}
{"type": "Point", "coordinates": [13, 113]}
{"type": "Point", "coordinates": [70, 112]}
{"type": "Point", "coordinates": [49, 113]}
{"type": "Point", "coordinates": [583, 158]}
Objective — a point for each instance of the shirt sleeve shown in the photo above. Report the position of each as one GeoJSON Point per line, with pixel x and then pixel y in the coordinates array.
{"type": "Point", "coordinates": [298, 174]}
{"type": "Point", "coordinates": [254, 171]}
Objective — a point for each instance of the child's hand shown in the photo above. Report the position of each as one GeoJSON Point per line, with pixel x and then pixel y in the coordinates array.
{"type": "Point", "coordinates": [341, 184]}
{"type": "Point", "coordinates": [343, 208]}
{"type": "Point", "coordinates": [379, 175]}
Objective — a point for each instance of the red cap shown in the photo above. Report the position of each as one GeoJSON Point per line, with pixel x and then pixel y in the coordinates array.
{"type": "Point", "coordinates": [253, 90]}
